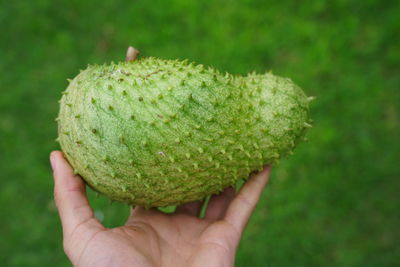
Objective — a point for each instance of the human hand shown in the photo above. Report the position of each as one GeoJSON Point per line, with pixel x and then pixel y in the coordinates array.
{"type": "Point", "coordinates": [150, 237]}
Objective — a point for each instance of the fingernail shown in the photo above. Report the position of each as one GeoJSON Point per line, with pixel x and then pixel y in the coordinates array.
{"type": "Point", "coordinates": [53, 161]}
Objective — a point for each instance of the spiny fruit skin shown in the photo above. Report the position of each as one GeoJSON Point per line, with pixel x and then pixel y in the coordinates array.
{"type": "Point", "coordinates": [160, 132]}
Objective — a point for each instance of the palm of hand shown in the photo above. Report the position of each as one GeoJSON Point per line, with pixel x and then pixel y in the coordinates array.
{"type": "Point", "coordinates": [150, 237]}
{"type": "Point", "coordinates": [155, 239]}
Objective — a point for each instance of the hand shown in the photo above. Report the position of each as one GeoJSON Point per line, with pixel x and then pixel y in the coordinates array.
{"type": "Point", "coordinates": [150, 237]}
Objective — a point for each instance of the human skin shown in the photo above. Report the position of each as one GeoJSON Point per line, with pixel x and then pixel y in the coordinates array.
{"type": "Point", "coordinates": [151, 237]}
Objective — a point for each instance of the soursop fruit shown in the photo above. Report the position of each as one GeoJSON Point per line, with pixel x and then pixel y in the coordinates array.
{"type": "Point", "coordinates": [158, 132]}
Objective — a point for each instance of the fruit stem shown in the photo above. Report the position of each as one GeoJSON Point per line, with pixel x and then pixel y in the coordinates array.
{"type": "Point", "coordinates": [131, 54]}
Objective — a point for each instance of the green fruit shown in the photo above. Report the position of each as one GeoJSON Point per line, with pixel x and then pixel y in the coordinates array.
{"type": "Point", "coordinates": [159, 132]}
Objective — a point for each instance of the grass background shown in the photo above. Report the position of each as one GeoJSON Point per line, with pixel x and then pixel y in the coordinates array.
{"type": "Point", "coordinates": [334, 203]}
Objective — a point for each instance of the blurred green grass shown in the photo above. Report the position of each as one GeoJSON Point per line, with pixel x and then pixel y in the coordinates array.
{"type": "Point", "coordinates": [334, 203]}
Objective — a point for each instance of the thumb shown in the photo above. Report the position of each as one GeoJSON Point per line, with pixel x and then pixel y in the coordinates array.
{"type": "Point", "coordinates": [77, 217]}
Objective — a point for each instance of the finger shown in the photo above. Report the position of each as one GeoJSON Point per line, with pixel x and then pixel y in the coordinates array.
{"type": "Point", "coordinates": [135, 211]}
{"type": "Point", "coordinates": [139, 211]}
{"type": "Point", "coordinates": [219, 203]}
{"type": "Point", "coordinates": [243, 204]}
{"type": "Point", "coordinates": [70, 196]}
{"type": "Point", "coordinates": [131, 54]}
{"type": "Point", "coordinates": [191, 208]}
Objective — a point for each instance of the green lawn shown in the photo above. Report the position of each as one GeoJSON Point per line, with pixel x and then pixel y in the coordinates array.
{"type": "Point", "coordinates": [335, 202]}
